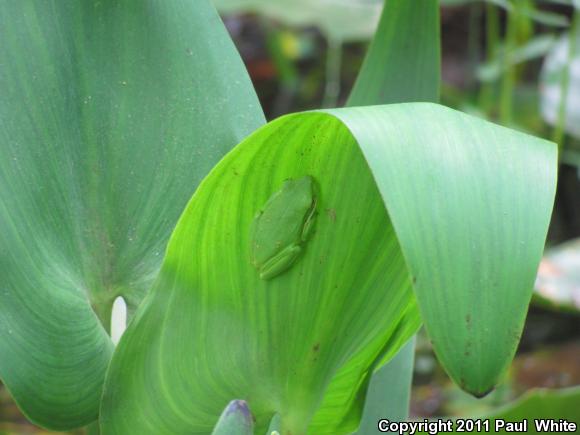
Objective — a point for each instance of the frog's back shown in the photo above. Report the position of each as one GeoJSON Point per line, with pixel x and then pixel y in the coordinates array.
{"type": "Point", "coordinates": [279, 224]}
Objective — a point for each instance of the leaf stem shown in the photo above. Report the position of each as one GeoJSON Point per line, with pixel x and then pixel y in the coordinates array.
{"type": "Point", "coordinates": [492, 45]}
{"type": "Point", "coordinates": [509, 78]}
{"type": "Point", "coordinates": [333, 70]}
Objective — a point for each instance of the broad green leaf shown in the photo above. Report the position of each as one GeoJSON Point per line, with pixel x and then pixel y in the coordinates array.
{"type": "Point", "coordinates": [111, 112]}
{"type": "Point", "coordinates": [458, 216]}
{"type": "Point", "coordinates": [409, 193]}
{"type": "Point", "coordinates": [343, 401]}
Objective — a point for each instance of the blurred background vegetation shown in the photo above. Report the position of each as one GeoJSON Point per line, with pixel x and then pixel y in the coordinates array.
{"type": "Point", "coordinates": [507, 61]}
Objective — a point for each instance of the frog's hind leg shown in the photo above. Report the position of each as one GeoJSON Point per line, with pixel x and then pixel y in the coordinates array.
{"type": "Point", "coordinates": [280, 263]}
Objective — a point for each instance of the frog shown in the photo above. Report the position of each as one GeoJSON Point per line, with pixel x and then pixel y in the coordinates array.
{"type": "Point", "coordinates": [282, 227]}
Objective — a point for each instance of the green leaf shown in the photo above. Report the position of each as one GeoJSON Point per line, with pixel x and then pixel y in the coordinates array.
{"type": "Point", "coordinates": [542, 404]}
{"type": "Point", "coordinates": [389, 391]}
{"type": "Point", "coordinates": [534, 405]}
{"type": "Point", "coordinates": [112, 112]}
{"type": "Point", "coordinates": [409, 193]}
{"type": "Point", "coordinates": [396, 78]}
{"type": "Point", "coordinates": [342, 407]}
{"type": "Point", "coordinates": [402, 66]}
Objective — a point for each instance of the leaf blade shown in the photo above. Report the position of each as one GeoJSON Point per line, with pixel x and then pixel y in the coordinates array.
{"type": "Point", "coordinates": [332, 305]}
{"type": "Point", "coordinates": [389, 74]}
{"type": "Point", "coordinates": [401, 31]}
{"type": "Point", "coordinates": [463, 341]}
{"type": "Point", "coordinates": [389, 393]}
{"type": "Point", "coordinates": [99, 155]}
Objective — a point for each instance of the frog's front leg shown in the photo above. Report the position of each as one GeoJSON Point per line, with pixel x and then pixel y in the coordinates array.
{"type": "Point", "coordinates": [280, 262]}
{"type": "Point", "coordinates": [308, 225]}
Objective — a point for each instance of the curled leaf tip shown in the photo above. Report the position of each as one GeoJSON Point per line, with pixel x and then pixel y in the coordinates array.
{"type": "Point", "coordinates": [481, 395]}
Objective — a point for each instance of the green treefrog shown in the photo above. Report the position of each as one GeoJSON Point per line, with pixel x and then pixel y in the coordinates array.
{"type": "Point", "coordinates": [282, 227]}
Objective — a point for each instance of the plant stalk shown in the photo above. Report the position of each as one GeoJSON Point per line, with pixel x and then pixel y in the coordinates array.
{"type": "Point", "coordinates": [333, 70]}
{"type": "Point", "coordinates": [560, 127]}
{"type": "Point", "coordinates": [487, 92]}
{"type": "Point", "coordinates": [509, 78]}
